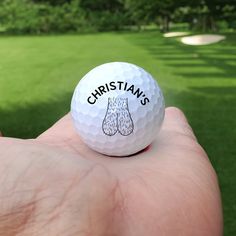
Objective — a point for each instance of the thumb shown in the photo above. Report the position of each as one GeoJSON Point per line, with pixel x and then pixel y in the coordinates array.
{"type": "Point", "coordinates": [177, 134]}
{"type": "Point", "coordinates": [175, 121]}
{"type": "Point", "coordinates": [62, 130]}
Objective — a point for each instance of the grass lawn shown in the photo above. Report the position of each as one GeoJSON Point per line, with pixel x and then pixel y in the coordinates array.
{"type": "Point", "coordinates": [38, 75]}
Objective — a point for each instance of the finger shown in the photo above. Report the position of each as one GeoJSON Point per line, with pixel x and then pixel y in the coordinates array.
{"type": "Point", "coordinates": [61, 130]}
{"type": "Point", "coordinates": [176, 122]}
{"type": "Point", "coordinates": [176, 138]}
{"type": "Point", "coordinates": [63, 135]}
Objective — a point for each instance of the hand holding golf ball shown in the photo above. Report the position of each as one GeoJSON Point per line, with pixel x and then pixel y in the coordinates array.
{"type": "Point", "coordinates": [117, 109]}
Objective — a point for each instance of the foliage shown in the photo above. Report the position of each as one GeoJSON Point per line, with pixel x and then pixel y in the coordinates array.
{"type": "Point", "coordinates": [19, 16]}
{"type": "Point", "coordinates": [201, 15]}
{"type": "Point", "coordinates": [60, 16]}
{"type": "Point", "coordinates": [106, 20]}
{"type": "Point", "coordinates": [24, 16]}
{"type": "Point", "coordinates": [157, 11]}
{"type": "Point", "coordinates": [65, 18]}
{"type": "Point", "coordinates": [53, 2]}
{"type": "Point", "coordinates": [104, 14]}
{"type": "Point", "coordinates": [208, 15]}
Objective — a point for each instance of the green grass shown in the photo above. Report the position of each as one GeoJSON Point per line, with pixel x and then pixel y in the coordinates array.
{"type": "Point", "coordinates": [38, 75]}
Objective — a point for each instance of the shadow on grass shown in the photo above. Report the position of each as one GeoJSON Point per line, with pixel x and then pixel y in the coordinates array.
{"type": "Point", "coordinates": [30, 120]}
{"type": "Point", "coordinates": [225, 91]}
{"type": "Point", "coordinates": [220, 58]}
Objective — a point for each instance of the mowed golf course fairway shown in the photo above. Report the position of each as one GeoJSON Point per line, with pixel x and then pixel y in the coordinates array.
{"type": "Point", "coordinates": [38, 75]}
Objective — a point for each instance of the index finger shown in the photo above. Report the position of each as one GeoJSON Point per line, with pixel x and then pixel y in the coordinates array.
{"type": "Point", "coordinates": [61, 130]}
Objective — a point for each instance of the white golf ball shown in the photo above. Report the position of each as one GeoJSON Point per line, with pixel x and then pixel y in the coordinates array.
{"type": "Point", "coordinates": [117, 109]}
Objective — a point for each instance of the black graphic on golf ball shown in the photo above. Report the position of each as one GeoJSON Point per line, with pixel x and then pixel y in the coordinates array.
{"type": "Point", "coordinates": [117, 118]}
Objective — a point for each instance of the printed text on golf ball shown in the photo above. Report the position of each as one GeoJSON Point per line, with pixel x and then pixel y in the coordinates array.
{"type": "Point", "coordinates": [117, 108]}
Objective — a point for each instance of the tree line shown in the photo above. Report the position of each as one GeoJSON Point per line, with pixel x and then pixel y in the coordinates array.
{"type": "Point", "coordinates": [61, 16]}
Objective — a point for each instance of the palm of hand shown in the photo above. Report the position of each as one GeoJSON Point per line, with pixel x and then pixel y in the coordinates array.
{"type": "Point", "coordinates": [169, 189]}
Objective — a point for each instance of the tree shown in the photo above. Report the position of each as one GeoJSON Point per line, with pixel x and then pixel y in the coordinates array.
{"type": "Point", "coordinates": [217, 10]}
{"type": "Point", "coordinates": [104, 14]}
{"type": "Point", "coordinates": [52, 2]}
{"type": "Point", "coordinates": [157, 11]}
{"type": "Point", "coordinates": [102, 5]}
{"type": "Point", "coordinates": [204, 15]}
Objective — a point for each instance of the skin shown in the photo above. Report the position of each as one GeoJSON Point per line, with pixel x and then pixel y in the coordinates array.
{"type": "Point", "coordinates": [56, 185]}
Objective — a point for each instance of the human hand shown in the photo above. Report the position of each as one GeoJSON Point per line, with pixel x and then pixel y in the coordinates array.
{"type": "Point", "coordinates": [56, 185]}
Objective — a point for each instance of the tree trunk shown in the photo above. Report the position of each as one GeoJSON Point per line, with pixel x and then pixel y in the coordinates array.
{"type": "Point", "coordinates": [212, 24]}
{"type": "Point", "coordinates": [139, 26]}
{"type": "Point", "coordinates": [204, 23]}
{"type": "Point", "coordinates": [162, 30]}
{"type": "Point", "coordinates": [165, 24]}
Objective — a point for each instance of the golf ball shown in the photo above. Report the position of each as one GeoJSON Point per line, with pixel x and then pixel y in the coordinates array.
{"type": "Point", "coordinates": [117, 108]}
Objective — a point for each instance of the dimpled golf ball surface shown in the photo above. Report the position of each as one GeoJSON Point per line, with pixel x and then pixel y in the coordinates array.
{"type": "Point", "coordinates": [117, 109]}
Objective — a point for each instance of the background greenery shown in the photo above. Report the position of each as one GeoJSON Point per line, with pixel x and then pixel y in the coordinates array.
{"type": "Point", "coordinates": [60, 16]}
{"type": "Point", "coordinates": [38, 73]}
